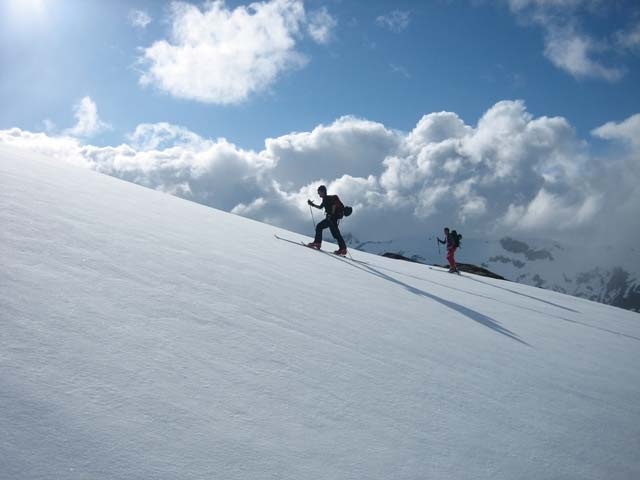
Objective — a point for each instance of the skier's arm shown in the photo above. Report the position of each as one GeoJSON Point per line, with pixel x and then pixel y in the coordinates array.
{"type": "Point", "coordinates": [441, 241]}
{"type": "Point", "coordinates": [310, 202]}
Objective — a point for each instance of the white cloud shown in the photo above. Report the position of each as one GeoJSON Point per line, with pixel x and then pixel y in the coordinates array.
{"type": "Point", "coordinates": [215, 173]}
{"type": "Point", "coordinates": [395, 21]}
{"type": "Point", "coordinates": [349, 145]}
{"type": "Point", "coordinates": [454, 170]}
{"type": "Point", "coordinates": [87, 121]}
{"type": "Point", "coordinates": [58, 148]}
{"type": "Point", "coordinates": [547, 208]}
{"type": "Point", "coordinates": [509, 173]}
{"type": "Point", "coordinates": [223, 56]}
{"type": "Point", "coordinates": [321, 25]}
{"type": "Point", "coordinates": [139, 18]}
{"type": "Point", "coordinates": [627, 131]}
{"type": "Point", "coordinates": [576, 52]}
{"type": "Point", "coordinates": [618, 176]}
{"type": "Point", "coordinates": [212, 172]}
{"type": "Point", "coordinates": [436, 128]}
{"type": "Point", "coordinates": [154, 136]}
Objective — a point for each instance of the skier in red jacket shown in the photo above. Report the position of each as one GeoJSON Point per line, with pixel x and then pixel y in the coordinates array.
{"type": "Point", "coordinates": [452, 241]}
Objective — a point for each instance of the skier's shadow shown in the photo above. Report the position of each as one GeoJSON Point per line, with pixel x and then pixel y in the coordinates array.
{"type": "Point", "coordinates": [491, 285]}
{"type": "Point", "coordinates": [467, 312]}
{"type": "Point", "coordinates": [466, 292]}
{"type": "Point", "coordinates": [525, 295]}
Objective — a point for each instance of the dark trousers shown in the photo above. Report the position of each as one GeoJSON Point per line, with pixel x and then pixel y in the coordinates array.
{"type": "Point", "coordinates": [332, 225]}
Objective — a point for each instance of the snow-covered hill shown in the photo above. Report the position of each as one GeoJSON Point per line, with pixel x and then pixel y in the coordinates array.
{"type": "Point", "coordinates": [146, 337]}
{"type": "Point", "coordinates": [601, 273]}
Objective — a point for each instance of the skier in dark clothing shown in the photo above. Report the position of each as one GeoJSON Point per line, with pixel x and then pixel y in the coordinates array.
{"type": "Point", "coordinates": [334, 209]}
{"type": "Point", "coordinates": [452, 245]}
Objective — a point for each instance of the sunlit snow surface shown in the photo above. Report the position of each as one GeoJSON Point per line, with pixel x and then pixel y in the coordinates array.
{"type": "Point", "coordinates": [146, 337]}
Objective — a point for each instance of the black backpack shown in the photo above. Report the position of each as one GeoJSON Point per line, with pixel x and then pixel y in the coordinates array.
{"type": "Point", "coordinates": [342, 210]}
{"type": "Point", "coordinates": [455, 237]}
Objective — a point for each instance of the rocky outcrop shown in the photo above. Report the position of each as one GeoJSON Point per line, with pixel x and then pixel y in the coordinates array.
{"type": "Point", "coordinates": [516, 246]}
{"type": "Point", "coordinates": [463, 267]}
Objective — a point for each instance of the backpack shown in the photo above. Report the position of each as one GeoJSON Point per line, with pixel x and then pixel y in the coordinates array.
{"type": "Point", "coordinates": [455, 237]}
{"type": "Point", "coordinates": [339, 210]}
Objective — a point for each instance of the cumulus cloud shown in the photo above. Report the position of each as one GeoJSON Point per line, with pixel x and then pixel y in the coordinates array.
{"type": "Point", "coordinates": [395, 21]}
{"type": "Point", "coordinates": [619, 177]}
{"type": "Point", "coordinates": [477, 175]}
{"type": "Point", "coordinates": [139, 19]}
{"type": "Point", "coordinates": [219, 55]}
{"type": "Point", "coordinates": [349, 145]}
{"type": "Point", "coordinates": [58, 148]}
{"type": "Point", "coordinates": [509, 173]}
{"type": "Point", "coordinates": [567, 46]}
{"type": "Point", "coordinates": [212, 172]}
{"type": "Point", "coordinates": [174, 160]}
{"type": "Point", "coordinates": [560, 210]}
{"type": "Point", "coordinates": [87, 121]}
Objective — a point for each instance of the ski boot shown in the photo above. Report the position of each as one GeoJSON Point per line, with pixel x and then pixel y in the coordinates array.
{"type": "Point", "coordinates": [315, 245]}
{"type": "Point", "coordinates": [342, 252]}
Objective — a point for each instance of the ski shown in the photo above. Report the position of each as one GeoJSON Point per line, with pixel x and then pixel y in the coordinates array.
{"type": "Point", "coordinates": [301, 243]}
{"type": "Point", "coordinates": [457, 272]}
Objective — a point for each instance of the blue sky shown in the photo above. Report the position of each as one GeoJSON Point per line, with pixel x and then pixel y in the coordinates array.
{"type": "Point", "coordinates": [90, 75]}
{"type": "Point", "coordinates": [456, 56]}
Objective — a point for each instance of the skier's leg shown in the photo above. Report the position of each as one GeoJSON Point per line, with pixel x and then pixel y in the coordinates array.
{"type": "Point", "coordinates": [335, 231]}
{"type": "Point", "coordinates": [452, 264]}
{"type": "Point", "coordinates": [319, 228]}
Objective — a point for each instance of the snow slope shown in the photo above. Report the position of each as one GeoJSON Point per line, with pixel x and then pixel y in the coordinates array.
{"type": "Point", "coordinates": [146, 337]}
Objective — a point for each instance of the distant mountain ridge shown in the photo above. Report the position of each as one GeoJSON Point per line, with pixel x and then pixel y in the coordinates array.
{"type": "Point", "coordinates": [539, 263]}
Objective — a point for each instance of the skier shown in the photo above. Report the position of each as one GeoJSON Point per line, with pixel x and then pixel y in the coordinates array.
{"type": "Point", "coordinates": [452, 241]}
{"type": "Point", "coordinates": [334, 210]}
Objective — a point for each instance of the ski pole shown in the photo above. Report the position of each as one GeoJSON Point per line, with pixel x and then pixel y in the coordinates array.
{"type": "Point", "coordinates": [312, 217]}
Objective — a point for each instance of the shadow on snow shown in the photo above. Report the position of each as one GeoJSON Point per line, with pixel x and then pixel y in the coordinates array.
{"type": "Point", "coordinates": [467, 312]}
